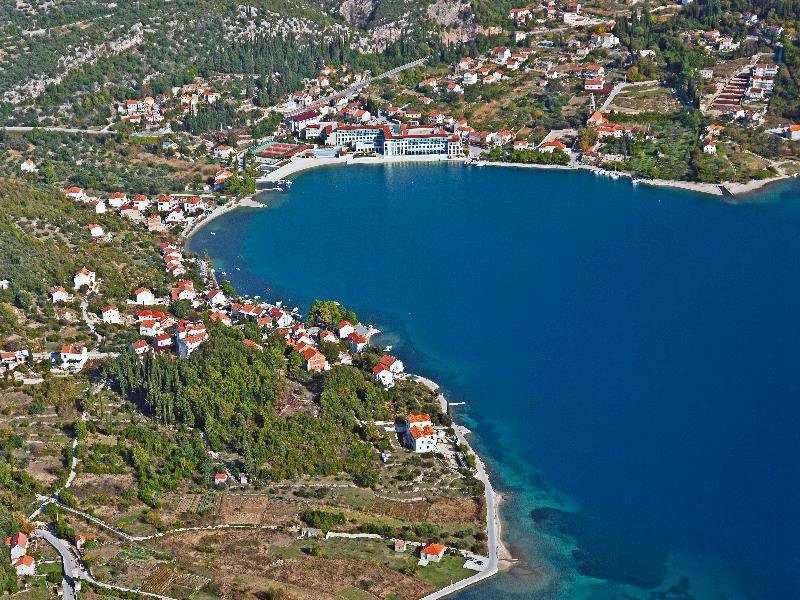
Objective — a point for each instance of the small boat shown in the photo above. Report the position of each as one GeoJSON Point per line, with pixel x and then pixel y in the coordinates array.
{"type": "Point", "coordinates": [387, 349]}
{"type": "Point", "coordinates": [279, 303]}
{"type": "Point", "coordinates": [481, 163]}
{"type": "Point", "coordinates": [213, 232]}
{"type": "Point", "coordinates": [238, 269]}
{"type": "Point", "coordinates": [295, 310]}
{"type": "Point", "coordinates": [256, 297]}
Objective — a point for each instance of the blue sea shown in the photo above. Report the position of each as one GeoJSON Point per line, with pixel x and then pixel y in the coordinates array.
{"type": "Point", "coordinates": [629, 357]}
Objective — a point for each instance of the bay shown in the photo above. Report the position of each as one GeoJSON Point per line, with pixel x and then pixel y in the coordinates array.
{"type": "Point", "coordinates": [628, 356]}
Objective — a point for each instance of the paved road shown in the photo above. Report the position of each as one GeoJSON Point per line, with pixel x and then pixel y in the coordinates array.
{"type": "Point", "coordinates": [71, 563]}
{"type": "Point", "coordinates": [353, 89]}
{"type": "Point", "coordinates": [491, 531]}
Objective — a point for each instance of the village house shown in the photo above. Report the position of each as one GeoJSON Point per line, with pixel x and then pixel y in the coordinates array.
{"type": "Point", "coordinates": [395, 365]}
{"type": "Point", "coordinates": [420, 434]}
{"type": "Point", "coordinates": [220, 478]}
{"type": "Point", "coordinates": [95, 230]}
{"type": "Point", "coordinates": [154, 223]}
{"type": "Point", "coordinates": [59, 294]}
{"type": "Point", "coordinates": [399, 546]}
{"type": "Point", "coordinates": [17, 545]}
{"type": "Point", "coordinates": [551, 146]}
{"type": "Point", "coordinates": [140, 202]}
{"type": "Point", "coordinates": [73, 356]}
{"type": "Point", "coordinates": [315, 360]}
{"type": "Point", "coordinates": [165, 204]}
{"type": "Point", "coordinates": [25, 565]}
{"type": "Point", "coordinates": [140, 347]}
{"type": "Point", "coordinates": [76, 193]}
{"type": "Point", "coordinates": [223, 151]}
{"type": "Point", "coordinates": [280, 317]}
{"type": "Point", "coordinates": [110, 314]}
{"type": "Point", "coordinates": [793, 132]}
{"type": "Point", "coordinates": [144, 297]}
{"type": "Point", "coordinates": [357, 342]}
{"type": "Point", "coordinates": [221, 317]}
{"type": "Point", "coordinates": [84, 277]}
{"type": "Point", "coordinates": [216, 297]}
{"type": "Point", "coordinates": [432, 552]}
{"type": "Point", "coordinates": [10, 360]}
{"type": "Point", "coordinates": [328, 336]}
{"type": "Point", "coordinates": [98, 206]}
{"type": "Point", "coordinates": [710, 147]}
{"type": "Point", "coordinates": [162, 341]}
{"type": "Point", "coordinates": [28, 166]}
{"type": "Point", "coordinates": [117, 199]}
{"type": "Point", "coordinates": [345, 329]}
{"type": "Point", "coordinates": [383, 375]}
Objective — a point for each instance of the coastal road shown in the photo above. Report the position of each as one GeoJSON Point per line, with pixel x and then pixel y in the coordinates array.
{"type": "Point", "coordinates": [356, 87]}
{"type": "Point", "coordinates": [492, 530]}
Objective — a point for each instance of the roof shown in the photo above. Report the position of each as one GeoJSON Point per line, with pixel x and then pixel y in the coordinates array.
{"type": "Point", "coordinates": [72, 349]}
{"type": "Point", "coordinates": [18, 539]}
{"type": "Point", "coordinates": [388, 360]}
{"type": "Point", "coordinates": [379, 368]}
{"type": "Point", "coordinates": [26, 560]}
{"type": "Point", "coordinates": [436, 549]}
{"type": "Point", "coordinates": [357, 338]}
{"type": "Point", "coordinates": [420, 418]}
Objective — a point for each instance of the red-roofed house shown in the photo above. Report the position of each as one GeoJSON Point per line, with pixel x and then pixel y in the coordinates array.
{"type": "Point", "coordinates": [357, 342]}
{"type": "Point", "coordinates": [420, 434]}
{"type": "Point", "coordinates": [144, 297]}
{"type": "Point", "coordinates": [17, 545]}
{"type": "Point", "coordinates": [25, 565]}
{"type": "Point", "coordinates": [432, 552]}
{"type": "Point", "coordinates": [109, 314]}
{"type": "Point", "coordinates": [383, 374]}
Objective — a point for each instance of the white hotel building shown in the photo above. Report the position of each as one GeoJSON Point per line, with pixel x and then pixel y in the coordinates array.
{"type": "Point", "coordinates": [397, 140]}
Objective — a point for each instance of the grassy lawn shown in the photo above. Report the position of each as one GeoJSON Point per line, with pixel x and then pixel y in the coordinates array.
{"type": "Point", "coordinates": [354, 594]}
{"type": "Point", "coordinates": [444, 573]}
{"type": "Point", "coordinates": [32, 594]}
{"type": "Point", "coordinates": [203, 595]}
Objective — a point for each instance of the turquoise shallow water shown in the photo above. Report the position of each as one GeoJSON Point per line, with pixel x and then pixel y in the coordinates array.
{"type": "Point", "coordinates": [628, 357]}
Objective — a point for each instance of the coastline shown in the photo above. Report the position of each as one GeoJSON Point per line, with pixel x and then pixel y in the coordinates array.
{"type": "Point", "coordinates": [298, 165]}
{"type": "Point", "coordinates": [500, 558]}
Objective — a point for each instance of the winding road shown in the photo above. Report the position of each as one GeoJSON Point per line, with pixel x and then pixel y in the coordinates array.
{"type": "Point", "coordinates": [356, 87]}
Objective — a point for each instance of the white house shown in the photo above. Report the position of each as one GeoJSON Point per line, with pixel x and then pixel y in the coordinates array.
{"type": "Point", "coordinates": [710, 147]}
{"type": "Point", "coordinates": [357, 342]}
{"type": "Point", "coordinates": [84, 277]}
{"type": "Point", "coordinates": [345, 329]}
{"type": "Point", "coordinates": [383, 375]}
{"type": "Point", "coordinates": [17, 545]}
{"type": "Point", "coordinates": [117, 199]}
{"type": "Point", "coordinates": [432, 552]}
{"type": "Point", "coordinates": [73, 356]}
{"type": "Point", "coordinates": [99, 206]}
{"type": "Point", "coordinates": [223, 151]}
{"type": "Point", "coordinates": [59, 294]}
{"type": "Point", "coordinates": [420, 434]}
{"type": "Point", "coordinates": [25, 565]}
{"type": "Point", "coordinates": [95, 230]}
{"type": "Point", "coordinates": [75, 193]}
{"type": "Point", "coordinates": [394, 365]}
{"type": "Point", "coordinates": [110, 314]}
{"type": "Point", "coordinates": [28, 166]}
{"type": "Point", "coordinates": [144, 297]}
{"type": "Point", "coordinates": [216, 297]}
